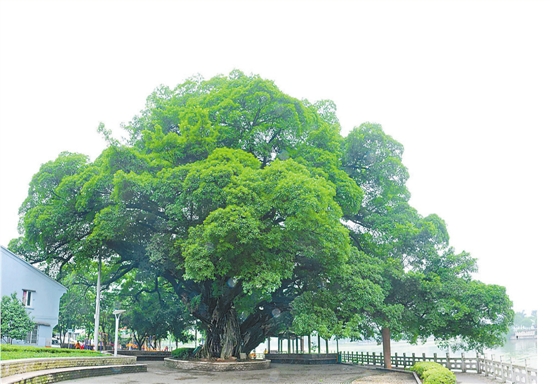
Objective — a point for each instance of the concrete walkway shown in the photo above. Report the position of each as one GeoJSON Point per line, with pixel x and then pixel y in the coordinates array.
{"type": "Point", "coordinates": [474, 378]}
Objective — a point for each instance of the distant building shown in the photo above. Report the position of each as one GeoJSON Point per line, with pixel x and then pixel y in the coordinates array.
{"type": "Point", "coordinates": [524, 333]}
{"type": "Point", "coordinates": [39, 293]}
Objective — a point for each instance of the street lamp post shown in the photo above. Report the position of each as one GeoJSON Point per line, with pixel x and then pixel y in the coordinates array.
{"type": "Point", "coordinates": [97, 307]}
{"type": "Point", "coordinates": [117, 314]}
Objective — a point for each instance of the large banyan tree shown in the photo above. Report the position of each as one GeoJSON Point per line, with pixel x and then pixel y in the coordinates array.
{"type": "Point", "coordinates": [260, 214]}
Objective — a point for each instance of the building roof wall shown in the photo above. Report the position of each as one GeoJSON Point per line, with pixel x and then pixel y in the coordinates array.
{"type": "Point", "coordinates": [18, 275]}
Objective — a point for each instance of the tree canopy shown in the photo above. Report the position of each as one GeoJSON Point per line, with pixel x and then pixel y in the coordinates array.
{"type": "Point", "coordinates": [263, 218]}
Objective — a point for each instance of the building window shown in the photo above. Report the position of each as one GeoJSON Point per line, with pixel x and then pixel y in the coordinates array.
{"type": "Point", "coordinates": [32, 336]}
{"type": "Point", "coordinates": [27, 298]}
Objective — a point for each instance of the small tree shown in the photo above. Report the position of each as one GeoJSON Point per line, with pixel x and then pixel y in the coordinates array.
{"type": "Point", "coordinates": [16, 322]}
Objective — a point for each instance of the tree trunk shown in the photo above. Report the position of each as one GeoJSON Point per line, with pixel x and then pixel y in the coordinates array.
{"type": "Point", "coordinates": [259, 325]}
{"type": "Point", "coordinates": [223, 336]}
{"type": "Point", "coordinates": [386, 347]}
{"type": "Point", "coordinates": [139, 341]}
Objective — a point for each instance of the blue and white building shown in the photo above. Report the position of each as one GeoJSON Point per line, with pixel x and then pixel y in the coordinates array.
{"type": "Point", "coordinates": [39, 293]}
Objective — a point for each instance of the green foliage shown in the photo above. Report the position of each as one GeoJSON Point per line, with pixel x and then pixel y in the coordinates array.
{"type": "Point", "coordinates": [77, 305]}
{"type": "Point", "coordinates": [337, 307]}
{"type": "Point", "coordinates": [438, 376]}
{"type": "Point", "coordinates": [15, 321]}
{"type": "Point", "coordinates": [262, 218]}
{"type": "Point", "coordinates": [433, 373]}
{"type": "Point", "coordinates": [182, 353]}
{"type": "Point", "coordinates": [152, 309]}
{"type": "Point", "coordinates": [12, 352]}
{"type": "Point", "coordinates": [428, 287]}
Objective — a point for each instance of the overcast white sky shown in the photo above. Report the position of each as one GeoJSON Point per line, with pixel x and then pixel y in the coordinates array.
{"type": "Point", "coordinates": [463, 85]}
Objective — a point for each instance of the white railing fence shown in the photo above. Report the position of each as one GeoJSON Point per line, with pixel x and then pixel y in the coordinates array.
{"type": "Point", "coordinates": [497, 369]}
{"type": "Point", "coordinates": [507, 371]}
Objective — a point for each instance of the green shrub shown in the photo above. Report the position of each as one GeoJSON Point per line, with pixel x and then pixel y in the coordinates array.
{"type": "Point", "coordinates": [182, 353]}
{"type": "Point", "coordinates": [434, 373]}
{"type": "Point", "coordinates": [439, 376]}
{"type": "Point", "coordinates": [423, 366]}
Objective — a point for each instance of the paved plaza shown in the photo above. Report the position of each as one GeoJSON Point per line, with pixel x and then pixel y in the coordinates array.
{"type": "Point", "coordinates": [157, 373]}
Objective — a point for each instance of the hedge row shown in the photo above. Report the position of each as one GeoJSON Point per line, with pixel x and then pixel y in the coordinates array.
{"type": "Point", "coordinates": [29, 348]}
{"type": "Point", "coordinates": [433, 373]}
{"type": "Point", "coordinates": [11, 352]}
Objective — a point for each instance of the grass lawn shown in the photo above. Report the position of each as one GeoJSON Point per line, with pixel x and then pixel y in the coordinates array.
{"type": "Point", "coordinates": [12, 352]}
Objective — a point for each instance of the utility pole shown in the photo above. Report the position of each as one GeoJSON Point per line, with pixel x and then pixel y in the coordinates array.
{"type": "Point", "coordinates": [97, 295]}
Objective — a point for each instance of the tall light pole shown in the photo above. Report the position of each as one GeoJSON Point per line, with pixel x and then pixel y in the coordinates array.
{"type": "Point", "coordinates": [117, 314]}
{"type": "Point", "coordinates": [97, 311]}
